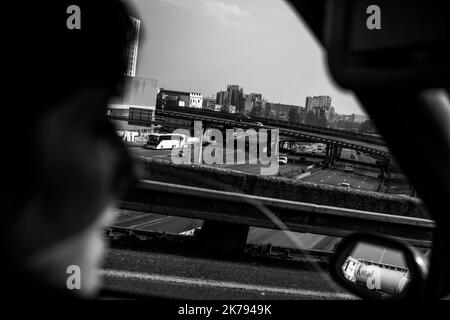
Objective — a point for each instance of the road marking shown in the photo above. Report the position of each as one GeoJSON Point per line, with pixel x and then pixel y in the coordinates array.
{"type": "Point", "coordinates": [189, 232]}
{"type": "Point", "coordinates": [119, 222]}
{"type": "Point", "coordinates": [152, 222]}
{"type": "Point", "coordinates": [220, 284]}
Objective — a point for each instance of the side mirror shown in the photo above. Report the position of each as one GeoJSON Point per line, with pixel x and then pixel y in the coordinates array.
{"type": "Point", "coordinates": [377, 268]}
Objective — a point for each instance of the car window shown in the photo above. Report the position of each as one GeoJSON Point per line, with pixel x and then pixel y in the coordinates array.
{"type": "Point", "coordinates": [203, 65]}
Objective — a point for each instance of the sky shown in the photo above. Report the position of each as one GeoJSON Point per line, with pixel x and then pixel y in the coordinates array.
{"type": "Point", "coordinates": [261, 45]}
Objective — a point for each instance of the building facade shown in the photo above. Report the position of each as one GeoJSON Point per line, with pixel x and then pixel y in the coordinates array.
{"type": "Point", "coordinates": [209, 103]}
{"type": "Point", "coordinates": [132, 50]}
{"type": "Point", "coordinates": [195, 100]}
{"type": "Point", "coordinates": [137, 103]}
{"type": "Point", "coordinates": [281, 111]}
{"type": "Point", "coordinates": [359, 118]}
{"type": "Point", "coordinates": [173, 98]}
{"type": "Point", "coordinates": [317, 102]}
{"type": "Point", "coordinates": [234, 96]}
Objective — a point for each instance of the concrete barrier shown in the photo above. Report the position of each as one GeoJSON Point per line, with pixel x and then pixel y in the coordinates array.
{"type": "Point", "coordinates": [274, 187]}
{"type": "Point", "coordinates": [303, 175]}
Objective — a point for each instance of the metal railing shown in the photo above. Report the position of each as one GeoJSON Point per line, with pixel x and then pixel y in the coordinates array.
{"type": "Point", "coordinates": [241, 209]}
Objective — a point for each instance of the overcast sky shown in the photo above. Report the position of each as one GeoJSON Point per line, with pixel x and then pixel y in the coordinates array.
{"type": "Point", "coordinates": [261, 45]}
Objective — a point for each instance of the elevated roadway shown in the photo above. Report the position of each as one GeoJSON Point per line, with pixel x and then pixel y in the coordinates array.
{"type": "Point", "coordinates": [350, 142]}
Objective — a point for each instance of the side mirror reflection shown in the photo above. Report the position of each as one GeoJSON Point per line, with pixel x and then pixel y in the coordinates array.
{"type": "Point", "coordinates": [374, 267]}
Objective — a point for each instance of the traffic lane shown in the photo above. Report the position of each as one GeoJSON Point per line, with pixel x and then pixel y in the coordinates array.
{"type": "Point", "coordinates": [290, 170]}
{"type": "Point", "coordinates": [184, 277]}
{"type": "Point", "coordinates": [179, 225]}
{"type": "Point", "coordinates": [155, 222]}
{"type": "Point", "coordinates": [138, 151]}
{"type": "Point", "coordinates": [335, 177]}
{"type": "Point", "coordinates": [358, 170]}
{"type": "Point", "coordinates": [281, 239]}
{"type": "Point", "coordinates": [287, 170]}
{"type": "Point", "coordinates": [346, 154]}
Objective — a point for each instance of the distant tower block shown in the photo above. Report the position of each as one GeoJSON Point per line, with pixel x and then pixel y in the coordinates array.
{"type": "Point", "coordinates": [132, 50]}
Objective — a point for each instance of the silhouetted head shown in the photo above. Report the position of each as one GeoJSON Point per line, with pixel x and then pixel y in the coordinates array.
{"type": "Point", "coordinates": [63, 165]}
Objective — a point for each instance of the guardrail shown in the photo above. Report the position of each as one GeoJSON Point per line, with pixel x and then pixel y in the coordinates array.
{"type": "Point", "coordinates": [245, 210]}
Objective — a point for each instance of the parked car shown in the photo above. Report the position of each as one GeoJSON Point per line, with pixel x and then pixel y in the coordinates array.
{"type": "Point", "coordinates": [345, 184]}
{"type": "Point", "coordinates": [349, 167]}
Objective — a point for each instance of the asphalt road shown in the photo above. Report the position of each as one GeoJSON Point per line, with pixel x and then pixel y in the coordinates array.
{"type": "Point", "coordinates": [185, 277]}
{"type": "Point", "coordinates": [179, 225]}
{"type": "Point", "coordinates": [289, 170]}
{"type": "Point", "coordinates": [362, 179]}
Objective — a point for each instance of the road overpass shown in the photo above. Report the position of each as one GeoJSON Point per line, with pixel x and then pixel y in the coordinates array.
{"type": "Point", "coordinates": [331, 138]}
{"type": "Point", "coordinates": [351, 135]}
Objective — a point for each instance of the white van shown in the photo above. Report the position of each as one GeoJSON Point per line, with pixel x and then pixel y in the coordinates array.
{"type": "Point", "coordinates": [164, 141]}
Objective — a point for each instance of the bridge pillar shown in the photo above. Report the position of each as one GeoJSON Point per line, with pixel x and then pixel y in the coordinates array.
{"type": "Point", "coordinates": [222, 238]}
{"type": "Point", "coordinates": [331, 152]}
{"type": "Point", "coordinates": [327, 155]}
{"type": "Point", "coordinates": [384, 174]}
{"type": "Point", "coordinates": [339, 153]}
{"type": "Point", "coordinates": [334, 155]}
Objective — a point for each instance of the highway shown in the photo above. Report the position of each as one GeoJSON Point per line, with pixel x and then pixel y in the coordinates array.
{"type": "Point", "coordinates": [324, 138]}
{"type": "Point", "coordinates": [185, 276]}
{"type": "Point", "coordinates": [189, 277]}
{"type": "Point", "coordinates": [363, 178]}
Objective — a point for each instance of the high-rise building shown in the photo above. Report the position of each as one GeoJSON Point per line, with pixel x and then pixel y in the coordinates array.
{"type": "Point", "coordinates": [138, 92]}
{"type": "Point", "coordinates": [222, 98]}
{"type": "Point", "coordinates": [317, 102]}
{"type": "Point", "coordinates": [132, 50]}
{"type": "Point", "coordinates": [137, 103]}
{"type": "Point", "coordinates": [236, 97]}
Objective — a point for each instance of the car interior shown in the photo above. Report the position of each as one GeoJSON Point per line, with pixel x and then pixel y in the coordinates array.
{"type": "Point", "coordinates": [399, 72]}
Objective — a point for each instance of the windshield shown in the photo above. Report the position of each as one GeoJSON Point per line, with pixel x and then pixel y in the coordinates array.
{"type": "Point", "coordinates": [245, 81]}
{"type": "Point", "coordinates": [153, 140]}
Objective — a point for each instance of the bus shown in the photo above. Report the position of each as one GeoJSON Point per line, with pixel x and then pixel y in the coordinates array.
{"type": "Point", "coordinates": [164, 141]}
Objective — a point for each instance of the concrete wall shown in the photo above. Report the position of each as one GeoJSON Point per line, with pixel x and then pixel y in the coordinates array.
{"type": "Point", "coordinates": [274, 187]}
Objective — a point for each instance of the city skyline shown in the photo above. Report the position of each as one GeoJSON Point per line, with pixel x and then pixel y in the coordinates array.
{"type": "Point", "coordinates": [277, 56]}
{"type": "Point", "coordinates": [246, 93]}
